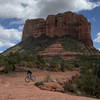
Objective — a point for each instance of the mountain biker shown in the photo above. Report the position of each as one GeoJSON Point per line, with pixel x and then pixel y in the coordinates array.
{"type": "Point", "coordinates": [29, 77]}
{"type": "Point", "coordinates": [29, 73]}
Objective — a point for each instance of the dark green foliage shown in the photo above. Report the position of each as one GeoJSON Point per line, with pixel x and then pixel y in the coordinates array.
{"type": "Point", "coordinates": [32, 46]}
{"type": "Point", "coordinates": [55, 63]}
{"type": "Point", "coordinates": [39, 83]}
{"type": "Point", "coordinates": [62, 67]}
{"type": "Point", "coordinates": [71, 44]}
{"type": "Point", "coordinates": [72, 87]}
{"type": "Point", "coordinates": [15, 59]}
{"type": "Point", "coordinates": [68, 87]}
{"type": "Point", "coordinates": [9, 62]}
{"type": "Point", "coordinates": [89, 82]}
{"type": "Point", "coordinates": [40, 62]}
{"type": "Point", "coordinates": [68, 65]}
{"type": "Point", "coordinates": [9, 68]}
{"type": "Point", "coordinates": [47, 78]}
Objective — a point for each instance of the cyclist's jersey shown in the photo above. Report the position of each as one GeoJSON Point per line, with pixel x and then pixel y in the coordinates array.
{"type": "Point", "coordinates": [29, 72]}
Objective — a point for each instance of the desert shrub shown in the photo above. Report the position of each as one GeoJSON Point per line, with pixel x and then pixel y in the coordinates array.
{"type": "Point", "coordinates": [89, 82]}
{"type": "Point", "coordinates": [54, 67]}
{"type": "Point", "coordinates": [76, 64]}
{"type": "Point", "coordinates": [47, 78]}
{"type": "Point", "coordinates": [9, 68]}
{"type": "Point", "coordinates": [56, 64]}
{"type": "Point", "coordinates": [68, 65]}
{"type": "Point", "coordinates": [13, 59]}
{"type": "Point", "coordinates": [40, 62]}
{"type": "Point", "coordinates": [71, 87]}
{"type": "Point", "coordinates": [39, 83]}
{"type": "Point", "coordinates": [62, 67]}
{"type": "Point", "coordinates": [68, 87]}
{"type": "Point", "coordinates": [71, 44]}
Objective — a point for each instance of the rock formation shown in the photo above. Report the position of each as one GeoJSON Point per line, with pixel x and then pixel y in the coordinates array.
{"type": "Point", "coordinates": [67, 23]}
{"type": "Point", "coordinates": [57, 49]}
{"type": "Point", "coordinates": [58, 84]}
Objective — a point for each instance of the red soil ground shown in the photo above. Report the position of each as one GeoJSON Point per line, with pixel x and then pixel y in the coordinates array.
{"type": "Point", "coordinates": [13, 87]}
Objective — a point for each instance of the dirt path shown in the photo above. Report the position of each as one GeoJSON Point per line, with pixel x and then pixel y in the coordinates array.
{"type": "Point", "coordinates": [13, 87]}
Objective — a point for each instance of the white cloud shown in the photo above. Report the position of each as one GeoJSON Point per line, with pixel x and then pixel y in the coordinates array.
{"type": "Point", "coordinates": [23, 9]}
{"type": "Point", "coordinates": [52, 6]}
{"type": "Point", "coordinates": [21, 27]}
{"type": "Point", "coordinates": [99, 49]}
{"type": "Point", "coordinates": [20, 9]}
{"type": "Point", "coordinates": [9, 34]}
{"type": "Point", "coordinates": [6, 44]}
{"type": "Point", "coordinates": [98, 38]}
{"type": "Point", "coordinates": [1, 51]}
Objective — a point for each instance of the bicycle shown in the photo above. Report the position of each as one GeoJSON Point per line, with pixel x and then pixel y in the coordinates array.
{"type": "Point", "coordinates": [29, 78]}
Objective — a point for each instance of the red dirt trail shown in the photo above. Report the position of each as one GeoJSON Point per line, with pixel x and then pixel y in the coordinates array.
{"type": "Point", "coordinates": [13, 87]}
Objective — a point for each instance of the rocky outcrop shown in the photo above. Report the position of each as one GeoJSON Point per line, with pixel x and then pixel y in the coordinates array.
{"type": "Point", "coordinates": [67, 23]}
{"type": "Point", "coordinates": [59, 83]}
{"type": "Point", "coordinates": [34, 28]}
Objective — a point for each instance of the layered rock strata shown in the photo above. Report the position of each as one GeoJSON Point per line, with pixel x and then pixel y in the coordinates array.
{"type": "Point", "coordinates": [59, 25]}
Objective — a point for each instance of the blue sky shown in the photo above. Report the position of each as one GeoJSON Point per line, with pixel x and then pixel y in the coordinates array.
{"type": "Point", "coordinates": [13, 14]}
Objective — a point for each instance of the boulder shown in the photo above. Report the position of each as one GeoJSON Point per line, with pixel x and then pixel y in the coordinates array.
{"type": "Point", "coordinates": [52, 86]}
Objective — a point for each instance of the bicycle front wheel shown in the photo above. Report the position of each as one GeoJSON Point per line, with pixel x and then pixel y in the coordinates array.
{"type": "Point", "coordinates": [27, 79]}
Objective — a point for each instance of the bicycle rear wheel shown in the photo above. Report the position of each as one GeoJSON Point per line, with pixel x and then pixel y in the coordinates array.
{"type": "Point", "coordinates": [33, 78]}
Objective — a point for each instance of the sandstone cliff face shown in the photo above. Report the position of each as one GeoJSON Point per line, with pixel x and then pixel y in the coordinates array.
{"type": "Point", "coordinates": [34, 28]}
{"type": "Point", "coordinates": [59, 25]}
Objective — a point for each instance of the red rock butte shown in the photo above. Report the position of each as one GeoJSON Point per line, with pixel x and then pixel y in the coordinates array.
{"type": "Point", "coordinates": [67, 23]}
